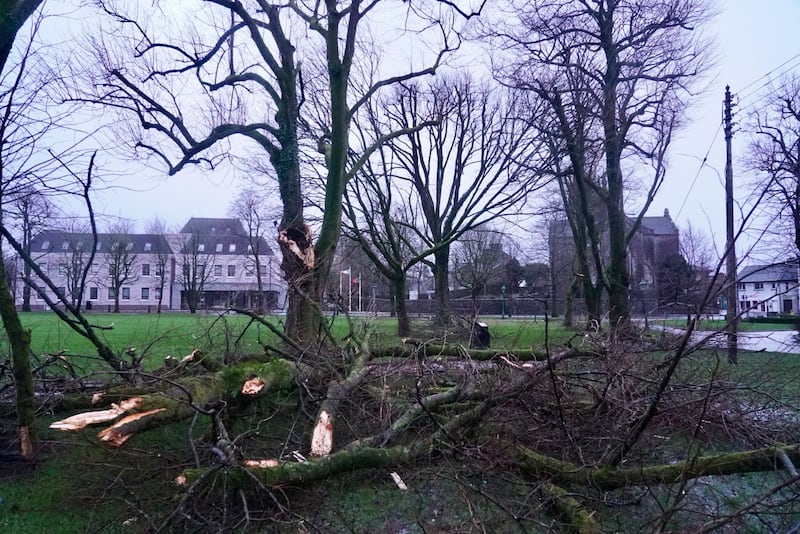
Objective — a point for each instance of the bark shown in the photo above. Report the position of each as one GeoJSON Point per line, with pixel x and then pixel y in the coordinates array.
{"type": "Point", "coordinates": [399, 308]}
{"type": "Point", "coordinates": [20, 340]}
{"type": "Point", "coordinates": [579, 518]}
{"type": "Point", "coordinates": [418, 349]}
{"type": "Point", "coordinates": [346, 460]}
{"type": "Point", "coordinates": [610, 478]}
{"type": "Point", "coordinates": [441, 277]}
{"type": "Point", "coordinates": [184, 397]}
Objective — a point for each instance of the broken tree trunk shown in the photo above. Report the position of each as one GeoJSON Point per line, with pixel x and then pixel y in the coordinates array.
{"type": "Point", "coordinates": [20, 341]}
{"type": "Point", "coordinates": [338, 390]}
{"type": "Point", "coordinates": [274, 473]}
{"type": "Point", "coordinates": [579, 518]}
{"type": "Point", "coordinates": [183, 398]}
{"type": "Point", "coordinates": [609, 478]}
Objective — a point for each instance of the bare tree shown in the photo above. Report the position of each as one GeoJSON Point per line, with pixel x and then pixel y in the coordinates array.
{"type": "Point", "coordinates": [472, 165]}
{"type": "Point", "coordinates": [245, 67]}
{"type": "Point", "coordinates": [626, 67]}
{"type": "Point", "coordinates": [477, 259]}
{"type": "Point", "coordinates": [775, 153]}
{"type": "Point", "coordinates": [163, 258]}
{"type": "Point", "coordinates": [30, 210]}
{"type": "Point", "coordinates": [250, 208]}
{"type": "Point", "coordinates": [193, 268]}
{"type": "Point", "coordinates": [120, 259]}
{"type": "Point", "coordinates": [76, 252]}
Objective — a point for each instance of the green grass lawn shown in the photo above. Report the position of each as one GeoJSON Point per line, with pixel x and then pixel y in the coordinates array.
{"type": "Point", "coordinates": [70, 489]}
{"type": "Point", "coordinates": [157, 336]}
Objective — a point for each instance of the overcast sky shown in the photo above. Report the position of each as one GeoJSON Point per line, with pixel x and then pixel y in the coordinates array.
{"type": "Point", "coordinates": [753, 38]}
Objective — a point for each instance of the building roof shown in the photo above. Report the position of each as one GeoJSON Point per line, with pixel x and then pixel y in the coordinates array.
{"type": "Point", "coordinates": [777, 272]}
{"type": "Point", "coordinates": [53, 241]}
{"type": "Point", "coordinates": [661, 225]}
{"type": "Point", "coordinates": [218, 236]}
{"type": "Point", "coordinates": [212, 226]}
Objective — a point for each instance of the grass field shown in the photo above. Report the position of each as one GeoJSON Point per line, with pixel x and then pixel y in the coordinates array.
{"type": "Point", "coordinates": [77, 487]}
{"type": "Point", "coordinates": [157, 336]}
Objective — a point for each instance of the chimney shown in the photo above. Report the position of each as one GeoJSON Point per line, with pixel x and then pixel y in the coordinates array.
{"type": "Point", "coordinates": [666, 214]}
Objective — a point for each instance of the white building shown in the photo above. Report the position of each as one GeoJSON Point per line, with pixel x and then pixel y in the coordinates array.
{"type": "Point", "coordinates": [769, 290]}
{"type": "Point", "coordinates": [213, 258]}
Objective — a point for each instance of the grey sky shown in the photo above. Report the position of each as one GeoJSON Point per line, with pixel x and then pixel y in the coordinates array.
{"type": "Point", "coordinates": [753, 38]}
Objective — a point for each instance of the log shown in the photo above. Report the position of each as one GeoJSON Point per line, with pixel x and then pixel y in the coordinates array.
{"type": "Point", "coordinates": [609, 478]}
{"type": "Point", "coordinates": [579, 518]}
{"type": "Point", "coordinates": [186, 397]}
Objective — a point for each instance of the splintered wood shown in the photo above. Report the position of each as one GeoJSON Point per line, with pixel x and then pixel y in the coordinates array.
{"type": "Point", "coordinates": [261, 463]}
{"type": "Point", "coordinates": [81, 420]}
{"type": "Point", "coordinates": [253, 386]}
{"type": "Point", "coordinates": [116, 436]}
{"type": "Point", "coordinates": [322, 438]}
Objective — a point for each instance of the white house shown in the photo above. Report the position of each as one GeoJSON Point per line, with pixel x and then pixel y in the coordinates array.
{"type": "Point", "coordinates": [769, 289]}
{"type": "Point", "coordinates": [152, 268]}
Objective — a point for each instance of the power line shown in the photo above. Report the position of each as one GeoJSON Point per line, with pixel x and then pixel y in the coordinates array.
{"type": "Point", "coordinates": [697, 174]}
{"type": "Point", "coordinates": [796, 56]}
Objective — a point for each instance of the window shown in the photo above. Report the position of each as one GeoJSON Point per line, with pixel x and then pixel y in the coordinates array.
{"type": "Point", "coordinates": [231, 270]}
{"type": "Point", "coordinates": [98, 247]}
{"type": "Point", "coordinates": [45, 245]}
{"type": "Point", "coordinates": [126, 293]}
{"type": "Point", "coordinates": [95, 268]}
{"type": "Point", "coordinates": [112, 293]}
{"type": "Point", "coordinates": [145, 269]}
{"type": "Point", "coordinates": [62, 269]}
{"type": "Point", "coordinates": [201, 247]}
{"type": "Point", "coordinates": [759, 285]}
{"type": "Point", "coordinates": [92, 293]}
{"type": "Point", "coordinates": [218, 270]}
{"type": "Point", "coordinates": [43, 267]}
{"type": "Point", "coordinates": [148, 247]}
{"type": "Point", "coordinates": [65, 246]}
{"type": "Point", "coordinates": [158, 293]}
{"type": "Point", "coordinates": [145, 293]}
{"type": "Point", "coordinates": [763, 307]}
{"type": "Point", "coordinates": [219, 247]}
{"type": "Point", "coordinates": [232, 247]}
{"type": "Point", "coordinates": [742, 286]}
{"type": "Point", "coordinates": [773, 285]}
{"type": "Point", "coordinates": [249, 270]}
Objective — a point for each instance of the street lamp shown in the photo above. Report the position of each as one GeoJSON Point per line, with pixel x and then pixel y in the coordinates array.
{"type": "Point", "coordinates": [642, 288]}
{"type": "Point", "coordinates": [503, 301]}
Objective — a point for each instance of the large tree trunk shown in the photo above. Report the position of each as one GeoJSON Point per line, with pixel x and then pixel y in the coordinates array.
{"type": "Point", "coordinates": [399, 308]}
{"type": "Point", "coordinates": [441, 278]}
{"type": "Point", "coordinates": [20, 340]}
{"type": "Point", "coordinates": [618, 273]}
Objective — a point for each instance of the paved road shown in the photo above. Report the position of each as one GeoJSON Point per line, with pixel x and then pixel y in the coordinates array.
{"type": "Point", "coordinates": [772, 341]}
{"type": "Point", "coordinates": [786, 341]}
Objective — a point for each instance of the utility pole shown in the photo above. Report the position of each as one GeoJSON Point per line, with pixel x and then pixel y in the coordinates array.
{"type": "Point", "coordinates": [731, 317]}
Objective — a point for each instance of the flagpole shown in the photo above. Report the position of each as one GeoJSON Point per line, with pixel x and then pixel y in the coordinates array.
{"type": "Point", "coordinates": [359, 292]}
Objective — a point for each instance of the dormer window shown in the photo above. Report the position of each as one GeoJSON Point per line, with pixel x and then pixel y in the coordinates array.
{"type": "Point", "coordinates": [201, 247]}
{"type": "Point", "coordinates": [219, 247]}
{"type": "Point", "coordinates": [45, 245]}
{"type": "Point", "coordinates": [97, 248]}
{"type": "Point", "coordinates": [148, 247]}
{"type": "Point", "coordinates": [129, 246]}
{"type": "Point", "coordinates": [65, 245]}
{"type": "Point", "coordinates": [232, 247]}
